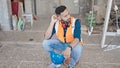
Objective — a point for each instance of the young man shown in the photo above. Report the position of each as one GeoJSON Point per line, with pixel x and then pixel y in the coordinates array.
{"type": "Point", "coordinates": [68, 31]}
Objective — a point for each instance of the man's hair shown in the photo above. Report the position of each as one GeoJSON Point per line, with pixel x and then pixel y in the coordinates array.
{"type": "Point", "coordinates": [60, 9]}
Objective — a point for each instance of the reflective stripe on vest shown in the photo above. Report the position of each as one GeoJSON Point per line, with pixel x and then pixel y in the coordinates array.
{"type": "Point", "coordinates": [69, 33]}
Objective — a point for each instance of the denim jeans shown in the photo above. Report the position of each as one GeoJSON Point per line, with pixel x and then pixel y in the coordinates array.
{"type": "Point", "coordinates": [55, 44]}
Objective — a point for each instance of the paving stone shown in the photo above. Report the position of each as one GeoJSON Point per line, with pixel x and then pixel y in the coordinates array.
{"type": "Point", "coordinates": [93, 39]}
{"type": "Point", "coordinates": [9, 64]}
{"type": "Point", "coordinates": [28, 55]}
{"type": "Point", "coordinates": [21, 36]}
{"type": "Point", "coordinates": [99, 65]}
{"type": "Point", "coordinates": [6, 52]}
{"type": "Point", "coordinates": [95, 54]}
{"type": "Point", "coordinates": [32, 64]}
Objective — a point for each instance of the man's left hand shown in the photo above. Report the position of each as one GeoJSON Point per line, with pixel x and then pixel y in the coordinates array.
{"type": "Point", "coordinates": [67, 53]}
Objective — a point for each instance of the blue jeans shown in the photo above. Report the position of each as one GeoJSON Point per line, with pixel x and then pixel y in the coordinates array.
{"type": "Point", "coordinates": [55, 44]}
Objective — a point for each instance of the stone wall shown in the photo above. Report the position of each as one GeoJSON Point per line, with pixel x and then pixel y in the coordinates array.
{"type": "Point", "coordinates": [46, 7]}
{"type": "Point", "coordinates": [28, 6]}
{"type": "Point", "coordinates": [5, 15]}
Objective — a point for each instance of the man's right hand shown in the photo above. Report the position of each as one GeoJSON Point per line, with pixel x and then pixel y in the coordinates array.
{"type": "Point", "coordinates": [48, 33]}
{"type": "Point", "coordinates": [53, 19]}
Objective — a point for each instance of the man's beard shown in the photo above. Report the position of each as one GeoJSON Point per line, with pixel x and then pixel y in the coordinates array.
{"type": "Point", "coordinates": [65, 21]}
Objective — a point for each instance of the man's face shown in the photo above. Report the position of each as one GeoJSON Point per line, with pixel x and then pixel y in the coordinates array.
{"type": "Point", "coordinates": [65, 15]}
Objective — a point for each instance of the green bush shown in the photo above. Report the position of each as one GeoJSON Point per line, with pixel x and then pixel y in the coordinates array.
{"type": "Point", "coordinates": [89, 18]}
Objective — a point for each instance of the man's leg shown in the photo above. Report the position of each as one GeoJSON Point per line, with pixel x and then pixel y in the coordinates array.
{"type": "Point", "coordinates": [76, 54]}
{"type": "Point", "coordinates": [52, 45]}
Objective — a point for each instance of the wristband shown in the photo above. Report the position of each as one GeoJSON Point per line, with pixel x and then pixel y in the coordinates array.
{"type": "Point", "coordinates": [70, 47]}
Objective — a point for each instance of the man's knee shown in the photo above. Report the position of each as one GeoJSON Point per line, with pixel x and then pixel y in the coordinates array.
{"type": "Point", "coordinates": [45, 44]}
{"type": "Point", "coordinates": [78, 48]}
{"type": "Point", "coordinates": [77, 51]}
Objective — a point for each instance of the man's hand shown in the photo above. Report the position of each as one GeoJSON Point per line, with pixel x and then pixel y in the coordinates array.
{"type": "Point", "coordinates": [53, 19]}
{"type": "Point", "coordinates": [48, 33]}
{"type": "Point", "coordinates": [67, 53]}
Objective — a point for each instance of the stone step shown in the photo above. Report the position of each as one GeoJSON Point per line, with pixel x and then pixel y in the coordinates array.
{"type": "Point", "coordinates": [22, 36]}
{"type": "Point", "coordinates": [38, 36]}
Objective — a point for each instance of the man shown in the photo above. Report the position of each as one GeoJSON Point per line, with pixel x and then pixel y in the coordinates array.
{"type": "Point", "coordinates": [68, 31]}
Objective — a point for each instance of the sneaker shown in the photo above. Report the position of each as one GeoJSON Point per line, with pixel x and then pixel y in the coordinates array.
{"type": "Point", "coordinates": [53, 66]}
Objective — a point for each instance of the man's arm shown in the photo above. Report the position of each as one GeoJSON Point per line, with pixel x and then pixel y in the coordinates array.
{"type": "Point", "coordinates": [77, 33]}
{"type": "Point", "coordinates": [48, 33]}
{"type": "Point", "coordinates": [67, 52]}
{"type": "Point", "coordinates": [74, 42]}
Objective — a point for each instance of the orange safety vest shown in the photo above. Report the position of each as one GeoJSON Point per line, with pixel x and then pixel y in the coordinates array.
{"type": "Point", "coordinates": [69, 33]}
